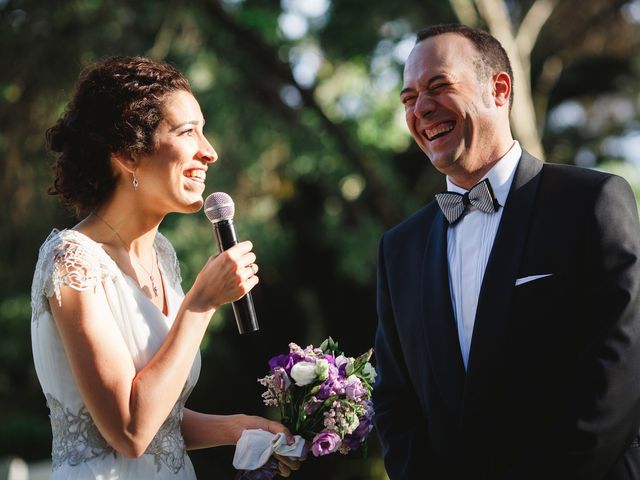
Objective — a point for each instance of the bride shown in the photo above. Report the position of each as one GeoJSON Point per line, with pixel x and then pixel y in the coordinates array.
{"type": "Point", "coordinates": [115, 340]}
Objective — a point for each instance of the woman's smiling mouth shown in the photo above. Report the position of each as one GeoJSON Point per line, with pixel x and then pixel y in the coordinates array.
{"type": "Point", "coordinates": [195, 175]}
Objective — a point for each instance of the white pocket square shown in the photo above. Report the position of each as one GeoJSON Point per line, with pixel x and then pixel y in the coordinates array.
{"type": "Point", "coordinates": [531, 278]}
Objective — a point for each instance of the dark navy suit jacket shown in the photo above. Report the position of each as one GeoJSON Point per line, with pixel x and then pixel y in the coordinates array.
{"type": "Point", "coordinates": [552, 389]}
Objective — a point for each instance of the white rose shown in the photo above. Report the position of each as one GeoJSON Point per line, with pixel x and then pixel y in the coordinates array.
{"type": "Point", "coordinates": [303, 373]}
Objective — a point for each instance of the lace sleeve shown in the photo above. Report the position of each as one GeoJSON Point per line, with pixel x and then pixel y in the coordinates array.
{"type": "Point", "coordinates": [75, 267]}
{"type": "Point", "coordinates": [65, 261]}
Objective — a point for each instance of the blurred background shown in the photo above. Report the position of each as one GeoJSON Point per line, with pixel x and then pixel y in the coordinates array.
{"type": "Point", "coordinates": [301, 101]}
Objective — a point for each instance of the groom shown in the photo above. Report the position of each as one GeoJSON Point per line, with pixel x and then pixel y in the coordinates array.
{"type": "Point", "coordinates": [508, 343]}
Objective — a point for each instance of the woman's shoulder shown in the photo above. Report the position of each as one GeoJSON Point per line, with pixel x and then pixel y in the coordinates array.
{"type": "Point", "coordinates": [74, 247]}
{"type": "Point", "coordinates": [70, 258]}
{"type": "Point", "coordinates": [69, 238]}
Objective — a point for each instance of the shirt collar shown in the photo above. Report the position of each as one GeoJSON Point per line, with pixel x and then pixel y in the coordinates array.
{"type": "Point", "coordinates": [501, 174]}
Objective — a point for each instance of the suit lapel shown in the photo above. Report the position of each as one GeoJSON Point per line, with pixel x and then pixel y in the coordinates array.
{"type": "Point", "coordinates": [491, 321]}
{"type": "Point", "coordinates": [440, 330]}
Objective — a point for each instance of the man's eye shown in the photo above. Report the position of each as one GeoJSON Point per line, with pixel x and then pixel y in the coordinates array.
{"type": "Point", "coordinates": [408, 101]}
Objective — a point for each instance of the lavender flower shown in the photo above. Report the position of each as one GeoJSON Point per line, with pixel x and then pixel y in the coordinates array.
{"type": "Point", "coordinates": [354, 388]}
{"type": "Point", "coordinates": [325, 443]}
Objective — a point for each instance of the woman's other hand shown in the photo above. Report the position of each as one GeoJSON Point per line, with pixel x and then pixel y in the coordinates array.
{"type": "Point", "coordinates": [286, 465]}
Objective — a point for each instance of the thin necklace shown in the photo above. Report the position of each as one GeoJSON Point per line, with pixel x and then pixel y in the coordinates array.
{"type": "Point", "coordinates": [153, 283]}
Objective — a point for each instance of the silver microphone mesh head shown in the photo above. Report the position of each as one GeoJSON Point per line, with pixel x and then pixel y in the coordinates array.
{"type": "Point", "coordinates": [219, 206]}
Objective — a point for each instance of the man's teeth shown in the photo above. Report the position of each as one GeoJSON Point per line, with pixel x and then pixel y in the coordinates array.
{"type": "Point", "coordinates": [199, 174]}
{"type": "Point", "coordinates": [431, 134]}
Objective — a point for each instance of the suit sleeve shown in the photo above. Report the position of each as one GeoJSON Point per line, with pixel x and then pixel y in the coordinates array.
{"type": "Point", "coordinates": [399, 419]}
{"type": "Point", "coordinates": [601, 408]}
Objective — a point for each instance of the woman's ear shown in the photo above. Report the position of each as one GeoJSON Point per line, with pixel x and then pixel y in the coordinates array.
{"type": "Point", "coordinates": [123, 163]}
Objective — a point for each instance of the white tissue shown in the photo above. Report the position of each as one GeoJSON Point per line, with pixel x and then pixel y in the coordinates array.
{"type": "Point", "coordinates": [256, 446]}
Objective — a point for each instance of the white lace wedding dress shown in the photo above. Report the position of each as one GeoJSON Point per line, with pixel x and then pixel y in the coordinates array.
{"type": "Point", "coordinates": [79, 451]}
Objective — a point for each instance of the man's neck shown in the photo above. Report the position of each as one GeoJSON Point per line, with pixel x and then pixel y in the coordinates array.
{"type": "Point", "coordinates": [467, 178]}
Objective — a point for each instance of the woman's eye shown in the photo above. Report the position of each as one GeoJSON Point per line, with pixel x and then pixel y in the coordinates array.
{"type": "Point", "coordinates": [188, 132]}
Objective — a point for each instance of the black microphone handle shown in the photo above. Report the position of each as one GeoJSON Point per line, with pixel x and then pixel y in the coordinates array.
{"type": "Point", "coordinates": [243, 308]}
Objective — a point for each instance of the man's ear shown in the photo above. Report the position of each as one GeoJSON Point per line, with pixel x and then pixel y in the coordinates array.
{"type": "Point", "coordinates": [123, 162]}
{"type": "Point", "coordinates": [501, 88]}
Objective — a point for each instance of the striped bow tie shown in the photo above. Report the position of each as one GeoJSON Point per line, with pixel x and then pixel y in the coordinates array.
{"type": "Point", "coordinates": [481, 196]}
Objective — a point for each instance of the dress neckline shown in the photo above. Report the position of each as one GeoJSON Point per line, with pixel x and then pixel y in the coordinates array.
{"type": "Point", "coordinates": [85, 239]}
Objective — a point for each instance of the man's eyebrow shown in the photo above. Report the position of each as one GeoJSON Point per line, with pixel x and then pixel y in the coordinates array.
{"type": "Point", "coordinates": [190, 122]}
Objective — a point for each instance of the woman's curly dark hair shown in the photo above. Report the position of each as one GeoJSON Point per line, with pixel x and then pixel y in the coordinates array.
{"type": "Point", "coordinates": [116, 108]}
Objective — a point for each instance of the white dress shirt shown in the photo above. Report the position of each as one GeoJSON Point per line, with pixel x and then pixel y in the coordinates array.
{"type": "Point", "coordinates": [469, 244]}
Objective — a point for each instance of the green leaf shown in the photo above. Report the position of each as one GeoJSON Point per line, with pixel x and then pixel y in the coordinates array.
{"type": "Point", "coordinates": [330, 346]}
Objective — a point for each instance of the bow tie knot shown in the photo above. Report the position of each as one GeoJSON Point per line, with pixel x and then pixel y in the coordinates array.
{"type": "Point", "coordinates": [481, 196]}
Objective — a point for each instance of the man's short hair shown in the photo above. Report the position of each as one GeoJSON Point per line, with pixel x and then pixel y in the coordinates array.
{"type": "Point", "coordinates": [492, 57]}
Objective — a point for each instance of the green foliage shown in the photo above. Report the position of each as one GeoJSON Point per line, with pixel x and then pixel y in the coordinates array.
{"type": "Point", "coordinates": [330, 347]}
{"type": "Point", "coordinates": [318, 168]}
{"type": "Point", "coordinates": [15, 313]}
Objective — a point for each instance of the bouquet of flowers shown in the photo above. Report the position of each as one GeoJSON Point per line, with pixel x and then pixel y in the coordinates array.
{"type": "Point", "coordinates": [323, 396]}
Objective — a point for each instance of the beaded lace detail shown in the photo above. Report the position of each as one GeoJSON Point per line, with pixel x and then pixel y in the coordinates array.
{"type": "Point", "coordinates": [168, 445]}
{"type": "Point", "coordinates": [76, 438]}
{"type": "Point", "coordinates": [74, 267]}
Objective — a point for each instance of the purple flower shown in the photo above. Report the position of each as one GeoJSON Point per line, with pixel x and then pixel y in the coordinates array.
{"type": "Point", "coordinates": [354, 440]}
{"type": "Point", "coordinates": [332, 385]}
{"type": "Point", "coordinates": [326, 388]}
{"type": "Point", "coordinates": [331, 359]}
{"type": "Point", "coordinates": [354, 389]}
{"type": "Point", "coordinates": [279, 361]}
{"type": "Point", "coordinates": [352, 443]}
{"type": "Point", "coordinates": [281, 381]}
{"type": "Point", "coordinates": [282, 361]}
{"type": "Point", "coordinates": [285, 361]}
{"type": "Point", "coordinates": [325, 443]}
{"type": "Point", "coordinates": [363, 428]}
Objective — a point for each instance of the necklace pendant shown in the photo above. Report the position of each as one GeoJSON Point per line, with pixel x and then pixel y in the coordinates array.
{"type": "Point", "coordinates": [153, 286]}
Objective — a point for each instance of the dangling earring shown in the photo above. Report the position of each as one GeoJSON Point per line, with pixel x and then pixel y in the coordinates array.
{"type": "Point", "coordinates": [135, 181]}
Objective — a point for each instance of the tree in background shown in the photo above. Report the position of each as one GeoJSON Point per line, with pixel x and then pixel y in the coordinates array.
{"type": "Point", "coordinates": [301, 101]}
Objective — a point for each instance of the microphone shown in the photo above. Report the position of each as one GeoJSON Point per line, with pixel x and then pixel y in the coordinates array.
{"type": "Point", "coordinates": [219, 209]}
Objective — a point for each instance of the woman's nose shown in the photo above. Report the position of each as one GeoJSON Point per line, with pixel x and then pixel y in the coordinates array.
{"type": "Point", "coordinates": [207, 153]}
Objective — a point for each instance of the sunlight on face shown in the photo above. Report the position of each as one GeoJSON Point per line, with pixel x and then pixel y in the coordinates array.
{"type": "Point", "coordinates": [450, 112]}
{"type": "Point", "coordinates": [173, 175]}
